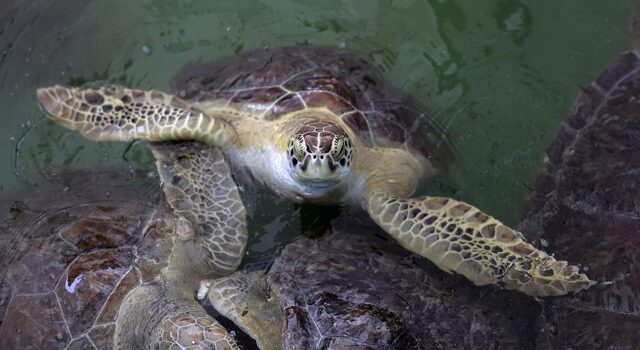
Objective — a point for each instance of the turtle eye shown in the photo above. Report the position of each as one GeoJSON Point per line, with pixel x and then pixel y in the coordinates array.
{"type": "Point", "coordinates": [338, 147]}
{"type": "Point", "coordinates": [298, 149]}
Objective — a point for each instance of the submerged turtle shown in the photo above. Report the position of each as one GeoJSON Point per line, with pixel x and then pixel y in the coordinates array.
{"type": "Point", "coordinates": [320, 125]}
{"type": "Point", "coordinates": [98, 262]}
{"type": "Point", "coordinates": [355, 289]}
{"type": "Point", "coordinates": [585, 205]}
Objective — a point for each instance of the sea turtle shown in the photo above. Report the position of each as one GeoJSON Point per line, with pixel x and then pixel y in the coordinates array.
{"type": "Point", "coordinates": [97, 261]}
{"type": "Point", "coordinates": [353, 288]}
{"type": "Point", "coordinates": [320, 125]}
{"type": "Point", "coordinates": [585, 205]}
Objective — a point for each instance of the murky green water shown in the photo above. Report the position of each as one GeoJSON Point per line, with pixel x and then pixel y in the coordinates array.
{"type": "Point", "coordinates": [503, 74]}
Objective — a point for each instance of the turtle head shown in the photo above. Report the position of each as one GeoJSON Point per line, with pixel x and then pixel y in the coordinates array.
{"type": "Point", "coordinates": [320, 152]}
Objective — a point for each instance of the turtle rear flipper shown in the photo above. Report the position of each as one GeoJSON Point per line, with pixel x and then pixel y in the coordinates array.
{"type": "Point", "coordinates": [170, 323]}
{"type": "Point", "coordinates": [244, 299]}
{"type": "Point", "coordinates": [459, 237]}
{"type": "Point", "coordinates": [121, 114]}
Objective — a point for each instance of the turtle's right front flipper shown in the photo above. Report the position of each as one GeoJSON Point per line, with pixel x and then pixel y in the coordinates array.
{"type": "Point", "coordinates": [121, 114]}
{"type": "Point", "coordinates": [459, 237]}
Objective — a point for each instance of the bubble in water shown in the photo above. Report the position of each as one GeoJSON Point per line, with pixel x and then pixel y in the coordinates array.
{"type": "Point", "coordinates": [146, 49]}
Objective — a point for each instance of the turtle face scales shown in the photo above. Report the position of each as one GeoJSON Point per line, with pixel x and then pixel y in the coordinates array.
{"type": "Point", "coordinates": [320, 152]}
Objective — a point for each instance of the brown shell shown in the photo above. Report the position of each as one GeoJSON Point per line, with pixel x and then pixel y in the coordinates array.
{"type": "Point", "coordinates": [68, 254]}
{"type": "Point", "coordinates": [355, 289]}
{"type": "Point", "coordinates": [276, 81]}
{"type": "Point", "coordinates": [585, 207]}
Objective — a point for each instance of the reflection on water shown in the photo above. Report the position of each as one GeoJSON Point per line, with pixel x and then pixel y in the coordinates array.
{"type": "Point", "coordinates": [502, 74]}
{"type": "Point", "coordinates": [71, 288]}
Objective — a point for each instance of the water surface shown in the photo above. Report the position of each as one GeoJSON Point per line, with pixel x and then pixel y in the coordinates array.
{"type": "Point", "coordinates": [501, 74]}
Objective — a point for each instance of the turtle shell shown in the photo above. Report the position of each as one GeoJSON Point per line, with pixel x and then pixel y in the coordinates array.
{"type": "Point", "coordinates": [585, 207]}
{"type": "Point", "coordinates": [272, 82]}
{"type": "Point", "coordinates": [72, 252]}
{"type": "Point", "coordinates": [68, 258]}
{"type": "Point", "coordinates": [354, 289]}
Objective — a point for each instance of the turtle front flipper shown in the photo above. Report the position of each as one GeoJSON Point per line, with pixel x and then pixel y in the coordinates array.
{"type": "Point", "coordinates": [150, 318]}
{"type": "Point", "coordinates": [244, 299]}
{"type": "Point", "coordinates": [198, 186]}
{"type": "Point", "coordinates": [459, 237]}
{"type": "Point", "coordinates": [121, 114]}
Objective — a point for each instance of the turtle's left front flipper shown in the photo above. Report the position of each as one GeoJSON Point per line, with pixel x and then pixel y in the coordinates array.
{"type": "Point", "coordinates": [458, 237]}
{"type": "Point", "coordinates": [120, 114]}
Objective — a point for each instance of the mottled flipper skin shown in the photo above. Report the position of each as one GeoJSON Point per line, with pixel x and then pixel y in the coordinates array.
{"type": "Point", "coordinates": [244, 298]}
{"type": "Point", "coordinates": [459, 237]}
{"type": "Point", "coordinates": [153, 318]}
{"type": "Point", "coordinates": [198, 185]}
{"type": "Point", "coordinates": [121, 114]}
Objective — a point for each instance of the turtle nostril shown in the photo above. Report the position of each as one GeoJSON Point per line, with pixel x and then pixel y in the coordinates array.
{"type": "Point", "coordinates": [321, 157]}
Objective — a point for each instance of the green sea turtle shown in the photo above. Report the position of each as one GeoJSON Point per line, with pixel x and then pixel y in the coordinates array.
{"type": "Point", "coordinates": [353, 288]}
{"type": "Point", "coordinates": [320, 125]}
{"type": "Point", "coordinates": [585, 205]}
{"type": "Point", "coordinates": [96, 260]}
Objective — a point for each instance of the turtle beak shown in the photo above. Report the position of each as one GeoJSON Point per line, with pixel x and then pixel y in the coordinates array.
{"type": "Point", "coordinates": [318, 167]}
